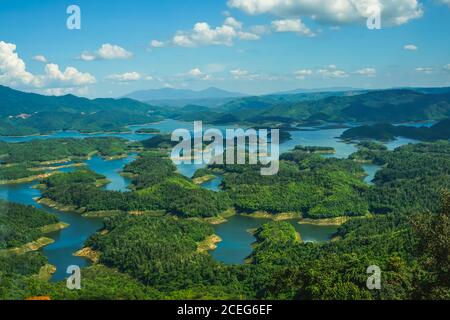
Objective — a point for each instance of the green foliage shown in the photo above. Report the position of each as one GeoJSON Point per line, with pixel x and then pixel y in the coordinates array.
{"type": "Point", "coordinates": [46, 114]}
{"type": "Point", "coordinates": [58, 149]}
{"type": "Point", "coordinates": [433, 232]}
{"type": "Point", "coordinates": [305, 183]}
{"type": "Point", "coordinates": [412, 179]}
{"type": "Point", "coordinates": [21, 224]}
{"type": "Point", "coordinates": [15, 172]}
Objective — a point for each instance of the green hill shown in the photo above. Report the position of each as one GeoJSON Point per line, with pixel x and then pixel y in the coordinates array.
{"type": "Point", "coordinates": [24, 113]}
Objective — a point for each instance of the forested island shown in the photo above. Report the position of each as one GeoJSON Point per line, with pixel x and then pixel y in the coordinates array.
{"type": "Point", "coordinates": [38, 159]}
{"type": "Point", "coordinates": [386, 132]}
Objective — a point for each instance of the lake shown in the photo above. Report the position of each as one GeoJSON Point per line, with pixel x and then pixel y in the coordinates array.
{"type": "Point", "coordinates": [236, 244]}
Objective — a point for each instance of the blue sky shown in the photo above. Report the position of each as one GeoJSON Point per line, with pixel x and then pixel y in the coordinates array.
{"type": "Point", "coordinates": [251, 46]}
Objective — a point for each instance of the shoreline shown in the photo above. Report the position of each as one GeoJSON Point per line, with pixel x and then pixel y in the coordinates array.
{"type": "Point", "coordinates": [54, 227]}
{"type": "Point", "coordinates": [30, 246]}
{"type": "Point", "coordinates": [338, 221]}
{"type": "Point", "coordinates": [88, 253]}
{"type": "Point", "coordinates": [275, 217]}
{"type": "Point", "coordinates": [209, 244]}
{"type": "Point", "coordinates": [27, 179]}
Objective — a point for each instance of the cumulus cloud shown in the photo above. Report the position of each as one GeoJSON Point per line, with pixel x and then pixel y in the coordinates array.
{"type": "Point", "coordinates": [302, 74]}
{"type": "Point", "coordinates": [393, 12]}
{"type": "Point", "coordinates": [196, 72]}
{"type": "Point", "coordinates": [13, 72]}
{"type": "Point", "coordinates": [446, 2]}
{"type": "Point", "coordinates": [107, 51]}
{"type": "Point", "coordinates": [410, 47]}
{"type": "Point", "coordinates": [368, 72]}
{"type": "Point", "coordinates": [69, 77]}
{"type": "Point", "coordinates": [12, 68]}
{"type": "Point", "coordinates": [125, 77]}
{"type": "Point", "coordinates": [202, 34]}
{"type": "Point", "coordinates": [292, 25]}
{"type": "Point", "coordinates": [447, 67]}
{"type": "Point", "coordinates": [40, 58]}
{"type": "Point", "coordinates": [332, 72]}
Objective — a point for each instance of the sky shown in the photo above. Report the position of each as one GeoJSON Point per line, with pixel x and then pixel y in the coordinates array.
{"type": "Point", "coordinates": [248, 46]}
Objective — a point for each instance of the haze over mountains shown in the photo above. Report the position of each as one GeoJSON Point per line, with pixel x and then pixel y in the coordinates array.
{"type": "Point", "coordinates": [175, 94]}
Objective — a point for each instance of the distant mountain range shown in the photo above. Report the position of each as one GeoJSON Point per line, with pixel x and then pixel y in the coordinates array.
{"type": "Point", "coordinates": [27, 113]}
{"type": "Point", "coordinates": [182, 94]}
{"type": "Point", "coordinates": [373, 106]}
{"type": "Point", "coordinates": [319, 90]}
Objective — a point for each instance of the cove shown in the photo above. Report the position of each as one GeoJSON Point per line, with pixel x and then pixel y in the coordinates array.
{"type": "Point", "coordinates": [237, 239]}
{"type": "Point", "coordinates": [69, 240]}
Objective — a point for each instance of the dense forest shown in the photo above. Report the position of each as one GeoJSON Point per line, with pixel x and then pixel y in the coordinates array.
{"type": "Point", "coordinates": [153, 242]}
{"type": "Point", "coordinates": [156, 187]}
{"type": "Point", "coordinates": [21, 224]}
{"type": "Point", "coordinates": [36, 151]}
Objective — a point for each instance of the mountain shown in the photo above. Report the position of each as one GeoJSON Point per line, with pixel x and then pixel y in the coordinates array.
{"type": "Point", "coordinates": [319, 90]}
{"type": "Point", "coordinates": [373, 106]}
{"type": "Point", "coordinates": [14, 102]}
{"type": "Point", "coordinates": [23, 113]}
{"type": "Point", "coordinates": [182, 94]}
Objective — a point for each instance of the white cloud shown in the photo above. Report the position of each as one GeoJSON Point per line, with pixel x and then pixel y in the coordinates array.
{"type": "Point", "coordinates": [368, 72]}
{"type": "Point", "coordinates": [40, 58]}
{"type": "Point", "coordinates": [69, 77]}
{"type": "Point", "coordinates": [88, 57]}
{"type": "Point", "coordinates": [202, 34]}
{"type": "Point", "coordinates": [302, 74]}
{"type": "Point", "coordinates": [447, 67]}
{"type": "Point", "coordinates": [157, 44]}
{"type": "Point", "coordinates": [13, 72]}
{"type": "Point", "coordinates": [12, 68]}
{"type": "Point", "coordinates": [410, 47]}
{"type": "Point", "coordinates": [332, 72]}
{"type": "Point", "coordinates": [107, 51]}
{"type": "Point", "coordinates": [81, 91]}
{"type": "Point", "coordinates": [196, 72]}
{"type": "Point", "coordinates": [239, 73]}
{"type": "Point", "coordinates": [292, 25]}
{"type": "Point", "coordinates": [426, 70]}
{"type": "Point", "coordinates": [393, 12]}
{"type": "Point", "coordinates": [125, 77]}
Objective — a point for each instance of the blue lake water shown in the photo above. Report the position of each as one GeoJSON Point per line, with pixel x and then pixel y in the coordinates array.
{"type": "Point", "coordinates": [71, 239]}
{"type": "Point", "coordinates": [236, 244]}
{"type": "Point", "coordinates": [237, 238]}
